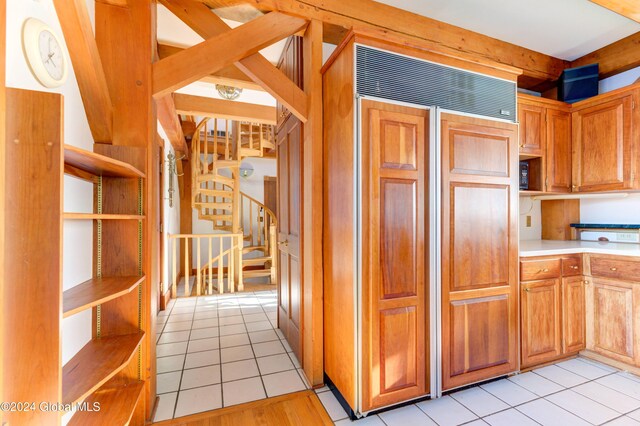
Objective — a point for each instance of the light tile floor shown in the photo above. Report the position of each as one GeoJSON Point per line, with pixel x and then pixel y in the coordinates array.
{"type": "Point", "coordinates": [574, 392]}
{"type": "Point", "coordinates": [222, 350]}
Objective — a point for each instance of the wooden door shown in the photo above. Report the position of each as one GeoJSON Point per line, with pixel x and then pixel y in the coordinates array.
{"type": "Point", "coordinates": [541, 321]}
{"type": "Point", "coordinates": [271, 194]}
{"type": "Point", "coordinates": [573, 314]}
{"type": "Point", "coordinates": [479, 249]}
{"type": "Point", "coordinates": [289, 155]}
{"type": "Point", "coordinates": [290, 64]}
{"type": "Point", "coordinates": [395, 282]}
{"type": "Point", "coordinates": [558, 154]}
{"type": "Point", "coordinates": [612, 324]}
{"type": "Point", "coordinates": [602, 142]}
{"type": "Point", "coordinates": [532, 129]}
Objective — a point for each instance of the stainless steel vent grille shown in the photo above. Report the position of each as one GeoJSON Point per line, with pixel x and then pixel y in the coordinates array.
{"type": "Point", "coordinates": [395, 77]}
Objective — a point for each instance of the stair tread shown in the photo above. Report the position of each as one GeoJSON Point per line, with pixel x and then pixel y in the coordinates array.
{"type": "Point", "coordinates": [216, 192]}
{"type": "Point", "coordinates": [256, 260]}
{"type": "Point", "coordinates": [256, 273]}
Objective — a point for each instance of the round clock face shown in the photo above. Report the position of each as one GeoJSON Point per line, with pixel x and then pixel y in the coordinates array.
{"type": "Point", "coordinates": [44, 53]}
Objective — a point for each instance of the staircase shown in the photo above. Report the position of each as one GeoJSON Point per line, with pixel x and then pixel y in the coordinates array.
{"type": "Point", "coordinates": [217, 150]}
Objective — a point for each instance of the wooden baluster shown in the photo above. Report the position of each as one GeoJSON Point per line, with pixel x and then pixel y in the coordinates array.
{"type": "Point", "coordinates": [250, 136]}
{"type": "Point", "coordinates": [198, 272]}
{"type": "Point", "coordinates": [227, 154]}
{"type": "Point", "coordinates": [239, 257]}
{"type": "Point", "coordinates": [187, 266]}
{"type": "Point", "coordinates": [174, 272]}
{"type": "Point", "coordinates": [231, 276]}
{"type": "Point", "coordinates": [210, 266]}
{"type": "Point", "coordinates": [251, 240]}
{"type": "Point", "coordinates": [220, 276]}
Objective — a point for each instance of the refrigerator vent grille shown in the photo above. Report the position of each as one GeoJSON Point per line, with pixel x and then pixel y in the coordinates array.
{"type": "Point", "coordinates": [400, 78]}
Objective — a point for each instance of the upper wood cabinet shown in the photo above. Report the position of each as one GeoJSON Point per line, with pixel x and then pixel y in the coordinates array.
{"type": "Point", "coordinates": [558, 153]}
{"type": "Point", "coordinates": [290, 64]}
{"type": "Point", "coordinates": [545, 142]}
{"type": "Point", "coordinates": [479, 250]}
{"type": "Point", "coordinates": [605, 142]}
{"type": "Point", "coordinates": [531, 116]}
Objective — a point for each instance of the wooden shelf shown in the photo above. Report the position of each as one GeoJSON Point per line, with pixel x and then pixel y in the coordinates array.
{"type": "Point", "coordinates": [523, 193]}
{"type": "Point", "coordinates": [97, 164]}
{"type": "Point", "coordinates": [96, 363]}
{"type": "Point", "coordinates": [95, 216]}
{"type": "Point", "coordinates": [96, 291]}
{"type": "Point", "coordinates": [117, 402]}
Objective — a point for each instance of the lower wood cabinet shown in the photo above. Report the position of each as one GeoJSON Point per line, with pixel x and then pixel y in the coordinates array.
{"type": "Point", "coordinates": [552, 310]}
{"type": "Point", "coordinates": [612, 309]}
{"type": "Point", "coordinates": [541, 321]}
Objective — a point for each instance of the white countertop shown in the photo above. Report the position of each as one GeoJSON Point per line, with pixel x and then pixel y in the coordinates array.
{"type": "Point", "coordinates": [553, 247]}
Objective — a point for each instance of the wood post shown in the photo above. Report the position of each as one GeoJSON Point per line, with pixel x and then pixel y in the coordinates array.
{"type": "Point", "coordinates": [312, 209]}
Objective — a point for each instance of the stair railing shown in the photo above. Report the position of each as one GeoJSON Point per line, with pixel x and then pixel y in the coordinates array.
{"type": "Point", "coordinates": [215, 254]}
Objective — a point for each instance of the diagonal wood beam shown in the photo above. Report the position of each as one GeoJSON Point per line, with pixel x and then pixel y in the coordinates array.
{"type": "Point", "coordinates": [627, 8]}
{"type": "Point", "coordinates": [205, 23]}
{"type": "Point", "coordinates": [615, 58]}
{"type": "Point", "coordinates": [386, 21]}
{"type": "Point", "coordinates": [78, 35]}
{"type": "Point", "coordinates": [230, 76]}
{"type": "Point", "coordinates": [168, 117]}
{"type": "Point", "coordinates": [215, 53]}
{"type": "Point", "coordinates": [219, 108]}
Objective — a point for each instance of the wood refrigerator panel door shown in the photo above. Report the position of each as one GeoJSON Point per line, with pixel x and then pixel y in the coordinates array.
{"type": "Point", "coordinates": [395, 281]}
{"type": "Point", "coordinates": [479, 249]}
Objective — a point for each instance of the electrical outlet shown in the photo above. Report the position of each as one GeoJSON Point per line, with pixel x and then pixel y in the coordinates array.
{"type": "Point", "coordinates": [627, 236]}
{"type": "Point", "coordinates": [528, 221]}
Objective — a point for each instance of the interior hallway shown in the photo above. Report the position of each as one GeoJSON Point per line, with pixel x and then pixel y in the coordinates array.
{"type": "Point", "coordinates": [222, 350]}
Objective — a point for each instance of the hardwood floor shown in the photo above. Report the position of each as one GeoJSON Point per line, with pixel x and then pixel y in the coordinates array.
{"type": "Point", "coordinates": [300, 408]}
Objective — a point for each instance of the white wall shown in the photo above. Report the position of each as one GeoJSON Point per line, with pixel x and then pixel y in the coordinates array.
{"type": "Point", "coordinates": [170, 214]}
{"type": "Point", "coordinates": [78, 195]}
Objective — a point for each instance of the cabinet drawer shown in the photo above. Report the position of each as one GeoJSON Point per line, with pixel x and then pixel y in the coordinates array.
{"type": "Point", "coordinates": [539, 269]}
{"type": "Point", "coordinates": [617, 269]}
{"type": "Point", "coordinates": [571, 266]}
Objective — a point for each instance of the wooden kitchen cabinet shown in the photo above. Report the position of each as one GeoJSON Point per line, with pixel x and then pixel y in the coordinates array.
{"type": "Point", "coordinates": [531, 116]}
{"type": "Point", "coordinates": [552, 308]}
{"type": "Point", "coordinates": [613, 320]}
{"type": "Point", "coordinates": [558, 152]}
{"type": "Point", "coordinates": [573, 314]}
{"type": "Point", "coordinates": [605, 142]}
{"type": "Point", "coordinates": [545, 142]}
{"type": "Point", "coordinates": [541, 321]}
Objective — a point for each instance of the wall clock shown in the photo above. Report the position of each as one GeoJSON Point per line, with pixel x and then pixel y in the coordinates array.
{"type": "Point", "coordinates": [44, 52]}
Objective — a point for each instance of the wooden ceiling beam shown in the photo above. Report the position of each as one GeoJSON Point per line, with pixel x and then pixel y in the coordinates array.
{"type": "Point", "coordinates": [627, 8]}
{"type": "Point", "coordinates": [218, 52]}
{"type": "Point", "coordinates": [168, 117]}
{"type": "Point", "coordinates": [230, 76]}
{"type": "Point", "coordinates": [87, 65]}
{"type": "Point", "coordinates": [384, 20]}
{"type": "Point", "coordinates": [206, 24]}
{"type": "Point", "coordinates": [219, 108]}
{"type": "Point", "coordinates": [615, 58]}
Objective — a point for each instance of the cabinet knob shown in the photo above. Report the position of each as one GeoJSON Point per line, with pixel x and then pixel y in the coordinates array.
{"type": "Point", "coordinates": [574, 267]}
{"type": "Point", "coordinates": [613, 269]}
{"type": "Point", "coordinates": [543, 270]}
{"type": "Point", "coordinates": [586, 281]}
{"type": "Point", "coordinates": [527, 289]}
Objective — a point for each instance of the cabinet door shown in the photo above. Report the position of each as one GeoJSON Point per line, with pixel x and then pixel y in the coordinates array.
{"type": "Point", "coordinates": [558, 155]}
{"type": "Point", "coordinates": [612, 325]}
{"type": "Point", "coordinates": [532, 129]}
{"type": "Point", "coordinates": [602, 146]}
{"type": "Point", "coordinates": [479, 249]}
{"type": "Point", "coordinates": [541, 316]}
{"type": "Point", "coordinates": [573, 314]}
{"type": "Point", "coordinates": [394, 306]}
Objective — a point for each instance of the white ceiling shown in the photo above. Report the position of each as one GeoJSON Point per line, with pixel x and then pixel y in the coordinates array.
{"type": "Point", "coordinates": [566, 29]}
